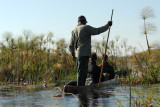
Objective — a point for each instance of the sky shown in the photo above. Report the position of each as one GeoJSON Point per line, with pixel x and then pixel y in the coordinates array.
{"type": "Point", "coordinates": [60, 17]}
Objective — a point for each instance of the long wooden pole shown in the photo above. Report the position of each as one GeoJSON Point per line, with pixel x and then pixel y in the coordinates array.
{"type": "Point", "coordinates": [105, 51]}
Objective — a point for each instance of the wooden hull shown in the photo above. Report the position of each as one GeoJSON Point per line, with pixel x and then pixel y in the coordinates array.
{"type": "Point", "coordinates": [77, 89]}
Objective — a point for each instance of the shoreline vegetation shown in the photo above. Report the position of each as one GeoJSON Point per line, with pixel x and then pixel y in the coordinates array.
{"type": "Point", "coordinates": [33, 61]}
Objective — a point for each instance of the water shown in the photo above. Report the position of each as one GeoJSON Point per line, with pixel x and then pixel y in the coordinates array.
{"type": "Point", "coordinates": [111, 96]}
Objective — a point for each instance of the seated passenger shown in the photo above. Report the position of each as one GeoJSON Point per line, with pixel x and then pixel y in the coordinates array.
{"type": "Point", "coordinates": [94, 70]}
{"type": "Point", "coordinates": [108, 70]}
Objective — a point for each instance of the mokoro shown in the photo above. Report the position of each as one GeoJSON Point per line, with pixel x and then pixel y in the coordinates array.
{"type": "Point", "coordinates": [77, 89]}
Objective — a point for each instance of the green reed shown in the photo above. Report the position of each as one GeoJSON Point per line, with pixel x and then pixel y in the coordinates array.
{"type": "Point", "coordinates": [33, 59]}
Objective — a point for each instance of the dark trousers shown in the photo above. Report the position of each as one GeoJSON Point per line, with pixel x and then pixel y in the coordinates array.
{"type": "Point", "coordinates": [82, 68]}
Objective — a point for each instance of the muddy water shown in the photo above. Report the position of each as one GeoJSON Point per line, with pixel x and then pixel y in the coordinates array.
{"type": "Point", "coordinates": [111, 96]}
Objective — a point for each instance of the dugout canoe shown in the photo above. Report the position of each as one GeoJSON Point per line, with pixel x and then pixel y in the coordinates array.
{"type": "Point", "coordinates": [78, 89]}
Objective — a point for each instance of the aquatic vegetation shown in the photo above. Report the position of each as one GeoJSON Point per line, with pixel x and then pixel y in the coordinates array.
{"type": "Point", "coordinates": [33, 59]}
{"type": "Point", "coordinates": [147, 96]}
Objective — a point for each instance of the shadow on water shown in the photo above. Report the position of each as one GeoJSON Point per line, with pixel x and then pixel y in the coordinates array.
{"type": "Point", "coordinates": [84, 100]}
{"type": "Point", "coordinates": [95, 98]}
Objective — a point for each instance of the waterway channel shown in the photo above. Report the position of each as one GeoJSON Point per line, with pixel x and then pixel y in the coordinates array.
{"type": "Point", "coordinates": [110, 96]}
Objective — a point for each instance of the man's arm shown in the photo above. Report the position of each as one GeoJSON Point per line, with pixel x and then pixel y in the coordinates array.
{"type": "Point", "coordinates": [95, 31]}
{"type": "Point", "coordinates": [72, 46]}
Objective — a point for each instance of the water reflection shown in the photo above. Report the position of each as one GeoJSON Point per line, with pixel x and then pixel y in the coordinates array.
{"type": "Point", "coordinates": [95, 98]}
{"type": "Point", "coordinates": [84, 100]}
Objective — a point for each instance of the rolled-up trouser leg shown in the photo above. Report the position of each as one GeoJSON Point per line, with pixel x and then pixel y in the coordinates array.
{"type": "Point", "coordinates": [82, 68]}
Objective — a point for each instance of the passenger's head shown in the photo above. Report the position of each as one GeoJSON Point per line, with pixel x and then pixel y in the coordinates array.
{"type": "Point", "coordinates": [94, 56]}
{"type": "Point", "coordinates": [82, 19]}
{"type": "Point", "coordinates": [105, 57]}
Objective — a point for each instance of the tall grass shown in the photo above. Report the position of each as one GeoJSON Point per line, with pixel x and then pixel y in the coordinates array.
{"type": "Point", "coordinates": [33, 59]}
{"type": "Point", "coordinates": [145, 62]}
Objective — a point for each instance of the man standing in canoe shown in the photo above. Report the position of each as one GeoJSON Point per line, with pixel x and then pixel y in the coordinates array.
{"type": "Point", "coordinates": [80, 46]}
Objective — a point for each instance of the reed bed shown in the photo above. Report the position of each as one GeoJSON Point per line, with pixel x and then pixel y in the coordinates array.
{"type": "Point", "coordinates": [34, 60]}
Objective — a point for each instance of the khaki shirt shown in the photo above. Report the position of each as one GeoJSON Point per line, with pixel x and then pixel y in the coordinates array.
{"type": "Point", "coordinates": [81, 37]}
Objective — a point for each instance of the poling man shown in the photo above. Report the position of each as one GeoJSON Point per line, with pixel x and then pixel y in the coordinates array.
{"type": "Point", "coordinates": [80, 46]}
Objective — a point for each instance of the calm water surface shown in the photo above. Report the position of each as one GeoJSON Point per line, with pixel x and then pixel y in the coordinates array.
{"type": "Point", "coordinates": [111, 96]}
